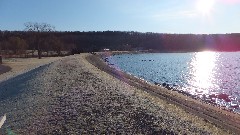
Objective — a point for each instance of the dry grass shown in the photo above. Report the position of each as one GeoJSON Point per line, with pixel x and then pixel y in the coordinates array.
{"type": "Point", "coordinates": [22, 65]}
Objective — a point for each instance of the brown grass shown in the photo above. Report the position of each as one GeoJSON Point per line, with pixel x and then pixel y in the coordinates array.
{"type": "Point", "coordinates": [16, 66]}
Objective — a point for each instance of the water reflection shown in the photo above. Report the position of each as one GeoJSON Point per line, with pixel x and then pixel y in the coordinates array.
{"type": "Point", "coordinates": [202, 71]}
{"type": "Point", "coordinates": [211, 76]}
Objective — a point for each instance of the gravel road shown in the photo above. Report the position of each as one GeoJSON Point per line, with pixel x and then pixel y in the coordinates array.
{"type": "Point", "coordinates": [70, 96]}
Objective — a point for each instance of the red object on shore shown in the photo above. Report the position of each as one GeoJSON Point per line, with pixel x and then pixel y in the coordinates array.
{"type": "Point", "coordinates": [224, 97]}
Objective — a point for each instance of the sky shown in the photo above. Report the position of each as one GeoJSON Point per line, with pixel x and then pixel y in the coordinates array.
{"type": "Point", "coordinates": [160, 16]}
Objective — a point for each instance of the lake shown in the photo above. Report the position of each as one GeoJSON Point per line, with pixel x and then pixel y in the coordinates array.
{"type": "Point", "coordinates": [211, 76]}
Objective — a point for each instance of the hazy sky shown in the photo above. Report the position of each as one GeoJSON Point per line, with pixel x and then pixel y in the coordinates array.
{"type": "Point", "coordinates": [162, 16]}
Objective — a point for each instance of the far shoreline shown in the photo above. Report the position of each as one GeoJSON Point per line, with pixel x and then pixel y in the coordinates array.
{"type": "Point", "coordinates": [151, 51]}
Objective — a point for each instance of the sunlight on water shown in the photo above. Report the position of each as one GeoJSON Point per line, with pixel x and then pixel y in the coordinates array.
{"type": "Point", "coordinates": [210, 76]}
{"type": "Point", "coordinates": [202, 71]}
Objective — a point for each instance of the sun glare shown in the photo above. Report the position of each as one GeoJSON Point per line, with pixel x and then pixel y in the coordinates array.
{"type": "Point", "coordinates": [203, 63]}
{"type": "Point", "coordinates": [205, 7]}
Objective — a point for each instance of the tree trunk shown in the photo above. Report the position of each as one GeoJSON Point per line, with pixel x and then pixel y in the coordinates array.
{"type": "Point", "coordinates": [39, 54]}
{"type": "Point", "coordinates": [0, 59]}
{"type": "Point", "coordinates": [33, 53]}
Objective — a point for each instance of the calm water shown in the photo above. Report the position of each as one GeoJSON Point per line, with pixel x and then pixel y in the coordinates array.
{"type": "Point", "coordinates": [213, 76]}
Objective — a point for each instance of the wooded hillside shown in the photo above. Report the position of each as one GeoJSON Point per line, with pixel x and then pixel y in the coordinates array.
{"type": "Point", "coordinates": [18, 42]}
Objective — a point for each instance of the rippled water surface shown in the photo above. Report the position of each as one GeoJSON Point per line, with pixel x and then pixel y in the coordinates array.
{"type": "Point", "coordinates": [213, 76]}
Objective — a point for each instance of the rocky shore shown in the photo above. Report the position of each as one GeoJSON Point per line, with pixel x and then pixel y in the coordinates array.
{"type": "Point", "coordinates": [71, 96]}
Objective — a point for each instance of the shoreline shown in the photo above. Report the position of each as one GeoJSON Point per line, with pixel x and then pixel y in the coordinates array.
{"type": "Point", "coordinates": [221, 118]}
{"type": "Point", "coordinates": [169, 86]}
{"type": "Point", "coordinates": [151, 51]}
{"type": "Point", "coordinates": [135, 52]}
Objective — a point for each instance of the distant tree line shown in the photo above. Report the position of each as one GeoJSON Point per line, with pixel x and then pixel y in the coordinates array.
{"type": "Point", "coordinates": [29, 41]}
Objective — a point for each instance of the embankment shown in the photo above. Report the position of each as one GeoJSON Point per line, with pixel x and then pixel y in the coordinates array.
{"type": "Point", "coordinates": [221, 118]}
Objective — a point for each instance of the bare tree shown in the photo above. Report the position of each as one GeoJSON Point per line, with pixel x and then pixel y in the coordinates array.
{"type": "Point", "coordinates": [37, 28]}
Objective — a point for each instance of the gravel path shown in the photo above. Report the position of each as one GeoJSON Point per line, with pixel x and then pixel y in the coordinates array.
{"type": "Point", "coordinates": [71, 96]}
